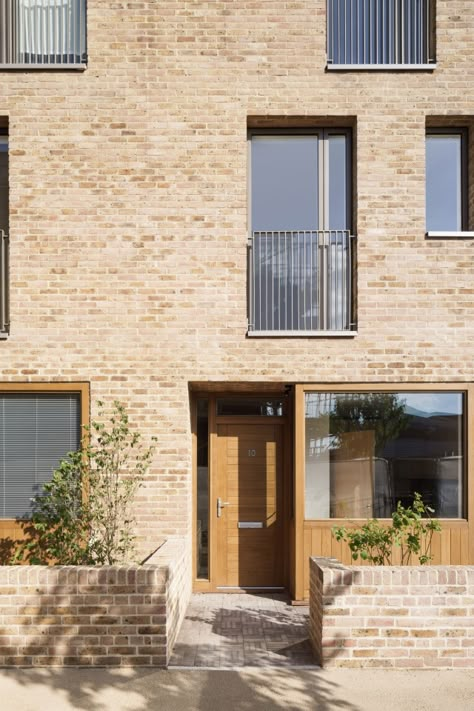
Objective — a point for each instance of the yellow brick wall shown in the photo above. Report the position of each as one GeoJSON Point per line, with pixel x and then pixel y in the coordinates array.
{"type": "Point", "coordinates": [128, 214]}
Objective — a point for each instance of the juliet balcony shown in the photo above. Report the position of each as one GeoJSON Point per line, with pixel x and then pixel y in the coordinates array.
{"type": "Point", "coordinates": [301, 283]}
{"type": "Point", "coordinates": [43, 34]}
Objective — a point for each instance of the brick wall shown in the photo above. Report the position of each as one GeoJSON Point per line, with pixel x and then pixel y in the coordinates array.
{"type": "Point", "coordinates": [417, 617]}
{"type": "Point", "coordinates": [104, 616]}
{"type": "Point", "coordinates": [128, 215]}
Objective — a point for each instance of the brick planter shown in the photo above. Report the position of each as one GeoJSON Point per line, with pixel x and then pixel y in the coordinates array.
{"type": "Point", "coordinates": [97, 616]}
{"type": "Point", "coordinates": [374, 616]}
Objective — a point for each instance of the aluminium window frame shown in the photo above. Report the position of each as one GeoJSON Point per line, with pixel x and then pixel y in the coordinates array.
{"type": "Point", "coordinates": [430, 40]}
{"type": "Point", "coordinates": [66, 66]}
{"type": "Point", "coordinates": [322, 194]}
{"type": "Point", "coordinates": [463, 132]}
{"type": "Point", "coordinates": [5, 255]}
{"type": "Point", "coordinates": [321, 131]}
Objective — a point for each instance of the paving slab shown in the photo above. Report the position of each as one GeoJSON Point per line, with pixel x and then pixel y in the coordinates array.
{"type": "Point", "coordinates": [238, 630]}
{"type": "Point", "coordinates": [257, 689]}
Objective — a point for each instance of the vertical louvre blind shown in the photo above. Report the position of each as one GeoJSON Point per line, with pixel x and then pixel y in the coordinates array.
{"type": "Point", "coordinates": [379, 32]}
{"type": "Point", "coordinates": [36, 432]}
{"type": "Point", "coordinates": [43, 32]}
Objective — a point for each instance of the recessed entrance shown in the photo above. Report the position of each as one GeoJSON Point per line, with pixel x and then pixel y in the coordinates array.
{"type": "Point", "coordinates": [242, 499]}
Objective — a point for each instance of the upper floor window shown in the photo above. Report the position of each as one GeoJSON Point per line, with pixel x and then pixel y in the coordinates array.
{"type": "Point", "coordinates": [4, 236]}
{"type": "Point", "coordinates": [300, 250]}
{"type": "Point", "coordinates": [43, 33]}
{"type": "Point", "coordinates": [446, 180]}
{"type": "Point", "coordinates": [380, 34]}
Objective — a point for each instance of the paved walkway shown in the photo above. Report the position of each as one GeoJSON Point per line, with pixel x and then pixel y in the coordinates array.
{"type": "Point", "coordinates": [257, 689]}
{"type": "Point", "coordinates": [232, 630]}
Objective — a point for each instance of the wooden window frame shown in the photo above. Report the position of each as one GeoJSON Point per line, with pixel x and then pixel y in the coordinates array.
{"type": "Point", "coordinates": [460, 526]}
{"type": "Point", "coordinates": [10, 526]}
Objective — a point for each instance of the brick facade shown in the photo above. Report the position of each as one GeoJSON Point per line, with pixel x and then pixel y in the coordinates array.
{"type": "Point", "coordinates": [129, 215]}
{"type": "Point", "coordinates": [392, 617]}
{"type": "Point", "coordinates": [108, 616]}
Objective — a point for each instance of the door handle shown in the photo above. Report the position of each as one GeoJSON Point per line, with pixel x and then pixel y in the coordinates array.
{"type": "Point", "coordinates": [220, 506]}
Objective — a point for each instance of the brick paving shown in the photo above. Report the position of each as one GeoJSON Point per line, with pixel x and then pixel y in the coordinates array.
{"type": "Point", "coordinates": [239, 630]}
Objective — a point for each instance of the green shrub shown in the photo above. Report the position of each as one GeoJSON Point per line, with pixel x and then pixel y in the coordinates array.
{"type": "Point", "coordinates": [83, 516]}
{"type": "Point", "coordinates": [411, 530]}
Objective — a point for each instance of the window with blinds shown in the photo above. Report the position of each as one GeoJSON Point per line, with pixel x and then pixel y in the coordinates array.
{"type": "Point", "coordinates": [36, 432]}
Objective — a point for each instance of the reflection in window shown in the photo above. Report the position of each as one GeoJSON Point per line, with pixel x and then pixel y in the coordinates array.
{"type": "Point", "coordinates": [367, 451]}
{"type": "Point", "coordinates": [444, 181]}
{"type": "Point", "coordinates": [202, 524]}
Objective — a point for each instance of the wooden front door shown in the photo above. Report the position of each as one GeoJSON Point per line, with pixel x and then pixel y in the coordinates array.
{"type": "Point", "coordinates": [249, 517]}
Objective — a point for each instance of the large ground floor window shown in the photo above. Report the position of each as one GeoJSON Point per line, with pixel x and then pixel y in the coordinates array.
{"type": "Point", "coordinates": [37, 429]}
{"type": "Point", "coordinates": [364, 451]}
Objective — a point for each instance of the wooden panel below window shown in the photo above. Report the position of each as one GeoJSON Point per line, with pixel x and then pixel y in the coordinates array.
{"type": "Point", "coordinates": [450, 547]}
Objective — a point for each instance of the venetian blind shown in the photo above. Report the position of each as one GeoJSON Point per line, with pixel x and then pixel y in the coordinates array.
{"type": "Point", "coordinates": [36, 431]}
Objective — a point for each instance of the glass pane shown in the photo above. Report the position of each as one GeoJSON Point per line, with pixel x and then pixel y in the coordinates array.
{"type": "Point", "coordinates": [260, 407]}
{"type": "Point", "coordinates": [443, 182]}
{"type": "Point", "coordinates": [202, 518]}
{"type": "Point", "coordinates": [367, 451]}
{"type": "Point", "coordinates": [284, 183]}
{"type": "Point", "coordinates": [337, 167]}
{"type": "Point", "coordinates": [37, 431]}
{"type": "Point", "coordinates": [378, 31]}
{"type": "Point", "coordinates": [50, 31]}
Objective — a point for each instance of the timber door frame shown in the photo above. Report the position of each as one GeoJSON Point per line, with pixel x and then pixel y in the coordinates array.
{"type": "Point", "coordinates": [285, 422]}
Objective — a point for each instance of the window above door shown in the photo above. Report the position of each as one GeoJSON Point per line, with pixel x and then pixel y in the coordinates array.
{"type": "Point", "coordinates": [300, 244]}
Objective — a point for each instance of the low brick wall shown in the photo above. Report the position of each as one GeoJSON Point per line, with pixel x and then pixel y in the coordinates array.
{"type": "Point", "coordinates": [408, 617]}
{"type": "Point", "coordinates": [97, 616]}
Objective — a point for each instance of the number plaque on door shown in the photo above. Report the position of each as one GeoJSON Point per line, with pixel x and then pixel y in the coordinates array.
{"type": "Point", "coordinates": [252, 452]}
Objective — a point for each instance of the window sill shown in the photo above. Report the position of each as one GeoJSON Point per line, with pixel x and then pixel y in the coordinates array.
{"type": "Point", "coordinates": [301, 334]}
{"type": "Point", "coordinates": [449, 235]}
{"type": "Point", "coordinates": [43, 67]}
{"type": "Point", "coordinates": [381, 67]}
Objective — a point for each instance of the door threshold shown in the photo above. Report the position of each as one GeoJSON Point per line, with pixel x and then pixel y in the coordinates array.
{"type": "Point", "coordinates": [253, 588]}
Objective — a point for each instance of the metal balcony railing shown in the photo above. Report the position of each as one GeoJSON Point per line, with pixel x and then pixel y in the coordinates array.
{"type": "Point", "coordinates": [381, 33]}
{"type": "Point", "coordinates": [42, 33]}
{"type": "Point", "coordinates": [300, 282]}
{"type": "Point", "coordinates": [4, 285]}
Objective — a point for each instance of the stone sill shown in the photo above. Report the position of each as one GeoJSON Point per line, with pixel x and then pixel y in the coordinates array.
{"type": "Point", "coordinates": [381, 67]}
{"type": "Point", "coordinates": [43, 67]}
{"type": "Point", "coordinates": [301, 334]}
{"type": "Point", "coordinates": [449, 235]}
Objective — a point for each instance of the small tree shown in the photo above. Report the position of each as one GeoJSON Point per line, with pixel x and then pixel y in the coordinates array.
{"type": "Point", "coordinates": [83, 517]}
{"type": "Point", "coordinates": [411, 530]}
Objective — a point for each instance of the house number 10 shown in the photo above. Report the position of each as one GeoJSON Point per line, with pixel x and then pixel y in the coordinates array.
{"type": "Point", "coordinates": [252, 452]}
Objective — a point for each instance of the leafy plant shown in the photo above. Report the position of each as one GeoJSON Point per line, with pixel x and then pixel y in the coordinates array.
{"type": "Point", "coordinates": [412, 531]}
{"type": "Point", "coordinates": [83, 516]}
